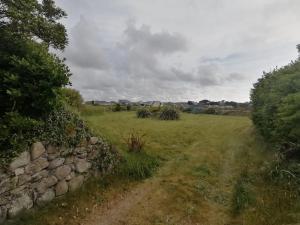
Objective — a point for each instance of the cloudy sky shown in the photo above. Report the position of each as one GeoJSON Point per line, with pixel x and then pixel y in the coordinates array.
{"type": "Point", "coordinates": [177, 50]}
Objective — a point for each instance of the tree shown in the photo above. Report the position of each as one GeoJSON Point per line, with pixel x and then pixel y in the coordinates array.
{"type": "Point", "coordinates": [31, 20]}
{"type": "Point", "coordinates": [30, 76]}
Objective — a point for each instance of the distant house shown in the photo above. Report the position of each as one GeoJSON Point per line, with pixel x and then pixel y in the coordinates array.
{"type": "Point", "coordinates": [124, 102]}
{"type": "Point", "coordinates": [191, 103]}
{"type": "Point", "coordinates": [227, 107]}
{"type": "Point", "coordinates": [148, 103]}
{"type": "Point", "coordinates": [156, 104]}
{"type": "Point", "coordinates": [102, 103]}
{"type": "Point", "coordinates": [204, 102]}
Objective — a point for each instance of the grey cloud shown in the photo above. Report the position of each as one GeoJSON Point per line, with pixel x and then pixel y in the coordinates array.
{"type": "Point", "coordinates": [85, 50]}
{"type": "Point", "coordinates": [207, 75]}
{"type": "Point", "coordinates": [132, 67]}
{"type": "Point", "coordinates": [162, 42]}
{"type": "Point", "coordinates": [199, 49]}
{"type": "Point", "coordinates": [226, 59]}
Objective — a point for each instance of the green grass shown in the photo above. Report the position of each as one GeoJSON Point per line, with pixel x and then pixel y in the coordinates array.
{"type": "Point", "coordinates": [89, 110]}
{"type": "Point", "coordinates": [242, 197]}
{"type": "Point", "coordinates": [137, 166]}
{"type": "Point", "coordinates": [204, 156]}
{"type": "Point", "coordinates": [194, 169]}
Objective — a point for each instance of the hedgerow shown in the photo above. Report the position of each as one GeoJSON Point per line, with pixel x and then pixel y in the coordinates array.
{"type": "Point", "coordinates": [276, 107]}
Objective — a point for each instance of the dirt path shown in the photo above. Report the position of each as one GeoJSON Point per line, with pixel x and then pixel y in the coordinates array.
{"type": "Point", "coordinates": [172, 197]}
{"type": "Point", "coordinates": [116, 210]}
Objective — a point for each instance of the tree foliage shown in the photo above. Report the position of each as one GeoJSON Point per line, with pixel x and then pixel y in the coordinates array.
{"type": "Point", "coordinates": [72, 97]}
{"type": "Point", "coordinates": [33, 20]}
{"type": "Point", "coordinates": [30, 77]}
{"type": "Point", "coordinates": [276, 106]}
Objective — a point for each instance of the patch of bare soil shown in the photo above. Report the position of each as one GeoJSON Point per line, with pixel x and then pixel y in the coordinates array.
{"type": "Point", "coordinates": [115, 211]}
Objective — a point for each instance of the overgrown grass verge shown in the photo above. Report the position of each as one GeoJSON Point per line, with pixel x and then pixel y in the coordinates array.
{"type": "Point", "coordinates": [138, 166]}
{"type": "Point", "coordinates": [242, 197]}
{"type": "Point", "coordinates": [89, 110]}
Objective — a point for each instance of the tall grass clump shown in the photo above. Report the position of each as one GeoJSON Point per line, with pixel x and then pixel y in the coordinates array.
{"type": "Point", "coordinates": [138, 166]}
{"type": "Point", "coordinates": [169, 114]}
{"type": "Point", "coordinates": [135, 142]}
{"type": "Point", "coordinates": [143, 113]}
{"type": "Point", "coordinates": [242, 195]}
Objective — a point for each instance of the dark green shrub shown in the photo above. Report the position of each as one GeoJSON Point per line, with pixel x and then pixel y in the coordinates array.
{"type": "Point", "coordinates": [210, 111]}
{"type": "Point", "coordinates": [187, 110]}
{"type": "Point", "coordinates": [16, 133]}
{"type": "Point", "coordinates": [143, 113]}
{"type": "Point", "coordinates": [169, 114]}
{"type": "Point", "coordinates": [117, 108]}
{"type": "Point", "coordinates": [128, 107]}
{"type": "Point", "coordinates": [63, 127]}
{"type": "Point", "coordinates": [275, 99]}
{"type": "Point", "coordinates": [155, 109]}
{"type": "Point", "coordinates": [31, 79]}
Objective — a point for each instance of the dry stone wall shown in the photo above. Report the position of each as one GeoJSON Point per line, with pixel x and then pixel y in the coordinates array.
{"type": "Point", "coordinates": [44, 173]}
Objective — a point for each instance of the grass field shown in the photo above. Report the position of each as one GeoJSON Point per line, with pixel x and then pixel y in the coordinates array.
{"type": "Point", "coordinates": [211, 173]}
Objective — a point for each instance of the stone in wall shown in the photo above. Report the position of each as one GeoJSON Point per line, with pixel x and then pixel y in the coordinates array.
{"type": "Point", "coordinates": [82, 165]}
{"type": "Point", "coordinates": [94, 140]}
{"type": "Point", "coordinates": [56, 163]}
{"type": "Point", "coordinates": [37, 150]}
{"type": "Point", "coordinates": [53, 152]}
{"type": "Point", "coordinates": [8, 184]}
{"type": "Point", "coordinates": [45, 184]}
{"type": "Point", "coordinates": [70, 176]}
{"type": "Point", "coordinates": [76, 182]}
{"type": "Point", "coordinates": [63, 171]}
{"type": "Point", "coordinates": [19, 171]}
{"type": "Point", "coordinates": [3, 214]}
{"type": "Point", "coordinates": [61, 188]}
{"type": "Point", "coordinates": [22, 160]}
{"type": "Point", "coordinates": [39, 175]}
{"type": "Point", "coordinates": [20, 204]}
{"type": "Point", "coordinates": [48, 196]}
{"type": "Point", "coordinates": [36, 166]}
{"type": "Point", "coordinates": [23, 179]}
